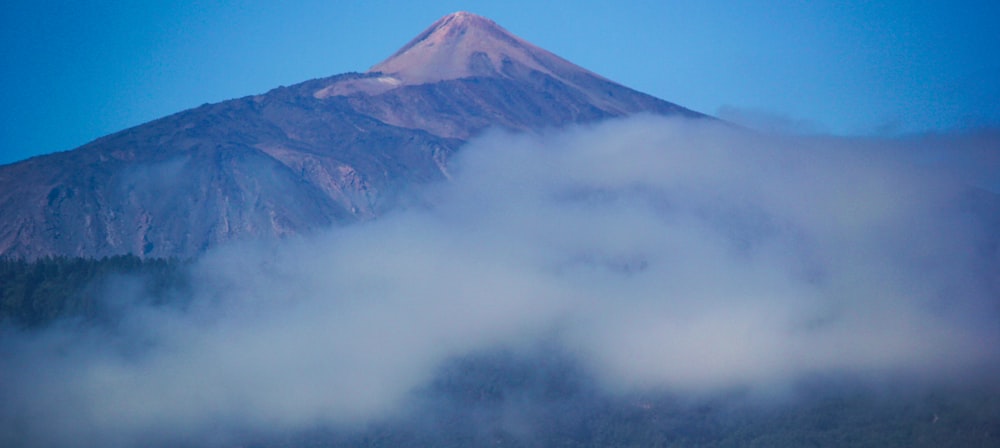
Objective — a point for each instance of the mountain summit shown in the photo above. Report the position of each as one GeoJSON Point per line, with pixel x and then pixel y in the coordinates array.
{"type": "Point", "coordinates": [463, 45]}
{"type": "Point", "coordinates": [323, 152]}
{"type": "Point", "coordinates": [484, 76]}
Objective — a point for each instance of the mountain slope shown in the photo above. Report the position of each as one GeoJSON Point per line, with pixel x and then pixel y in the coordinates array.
{"type": "Point", "coordinates": [465, 73]}
{"type": "Point", "coordinates": [327, 151]}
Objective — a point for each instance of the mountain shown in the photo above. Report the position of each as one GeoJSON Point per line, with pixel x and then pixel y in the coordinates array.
{"type": "Point", "coordinates": [323, 152]}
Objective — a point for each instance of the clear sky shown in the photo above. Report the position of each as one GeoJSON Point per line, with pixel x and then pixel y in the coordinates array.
{"type": "Point", "coordinates": [74, 71]}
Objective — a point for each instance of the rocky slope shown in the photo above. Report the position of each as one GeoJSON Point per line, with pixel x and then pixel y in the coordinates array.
{"type": "Point", "coordinates": [323, 152]}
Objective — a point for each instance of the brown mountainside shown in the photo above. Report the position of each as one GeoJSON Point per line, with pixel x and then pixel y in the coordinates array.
{"type": "Point", "coordinates": [323, 152]}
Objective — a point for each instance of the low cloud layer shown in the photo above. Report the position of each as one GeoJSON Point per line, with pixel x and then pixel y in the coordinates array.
{"type": "Point", "coordinates": [681, 256]}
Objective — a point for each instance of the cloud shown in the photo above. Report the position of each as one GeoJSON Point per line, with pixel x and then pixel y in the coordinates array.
{"type": "Point", "coordinates": [770, 122]}
{"type": "Point", "coordinates": [661, 254]}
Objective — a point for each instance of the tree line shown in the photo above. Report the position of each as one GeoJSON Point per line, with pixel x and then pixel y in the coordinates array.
{"type": "Point", "coordinates": [38, 292]}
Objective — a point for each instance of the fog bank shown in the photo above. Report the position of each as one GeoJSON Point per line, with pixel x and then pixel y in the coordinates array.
{"type": "Point", "coordinates": [660, 254]}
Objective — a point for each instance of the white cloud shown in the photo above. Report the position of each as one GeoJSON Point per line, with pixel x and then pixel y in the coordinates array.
{"type": "Point", "coordinates": [664, 254]}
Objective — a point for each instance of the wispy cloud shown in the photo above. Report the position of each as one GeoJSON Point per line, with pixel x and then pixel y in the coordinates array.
{"type": "Point", "coordinates": [660, 254]}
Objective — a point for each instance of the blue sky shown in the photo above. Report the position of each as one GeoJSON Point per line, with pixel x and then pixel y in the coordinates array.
{"type": "Point", "coordinates": [74, 71]}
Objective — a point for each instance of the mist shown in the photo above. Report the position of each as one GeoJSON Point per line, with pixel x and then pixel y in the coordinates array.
{"type": "Point", "coordinates": [689, 257]}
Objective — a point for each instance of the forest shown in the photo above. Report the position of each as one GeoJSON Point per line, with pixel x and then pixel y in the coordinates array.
{"type": "Point", "coordinates": [37, 293]}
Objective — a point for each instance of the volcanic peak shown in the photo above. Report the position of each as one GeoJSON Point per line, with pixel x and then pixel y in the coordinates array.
{"type": "Point", "coordinates": [456, 46]}
{"type": "Point", "coordinates": [454, 27]}
{"type": "Point", "coordinates": [463, 45]}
